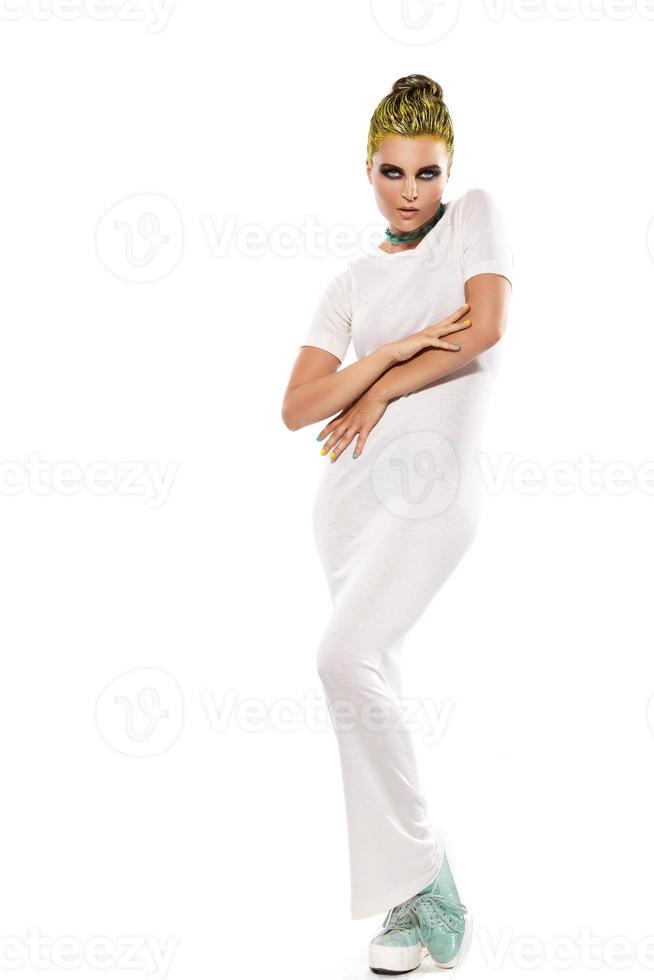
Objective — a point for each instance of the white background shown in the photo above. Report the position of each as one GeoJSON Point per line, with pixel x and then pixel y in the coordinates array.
{"type": "Point", "coordinates": [141, 327]}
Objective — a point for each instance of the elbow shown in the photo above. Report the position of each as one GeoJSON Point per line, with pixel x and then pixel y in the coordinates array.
{"type": "Point", "coordinates": [498, 326]}
{"type": "Point", "coordinates": [288, 418]}
{"type": "Point", "coordinates": [484, 339]}
{"type": "Point", "coordinates": [494, 333]}
{"type": "Point", "coordinates": [289, 421]}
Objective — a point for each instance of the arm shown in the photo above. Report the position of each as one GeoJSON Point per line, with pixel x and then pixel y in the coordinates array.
{"type": "Point", "coordinates": [488, 295]}
{"type": "Point", "coordinates": [316, 389]}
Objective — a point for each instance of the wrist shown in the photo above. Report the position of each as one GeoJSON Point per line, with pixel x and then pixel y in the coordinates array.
{"type": "Point", "coordinates": [380, 390]}
{"type": "Point", "coordinates": [389, 356]}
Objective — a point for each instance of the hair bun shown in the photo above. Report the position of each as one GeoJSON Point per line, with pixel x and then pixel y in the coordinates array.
{"type": "Point", "coordinates": [418, 83]}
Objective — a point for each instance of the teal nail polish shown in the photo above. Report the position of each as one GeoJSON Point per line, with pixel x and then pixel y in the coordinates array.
{"type": "Point", "coordinates": [354, 454]}
{"type": "Point", "coordinates": [318, 438]}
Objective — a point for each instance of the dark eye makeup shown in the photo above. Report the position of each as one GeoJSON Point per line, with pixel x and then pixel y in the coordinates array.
{"type": "Point", "coordinates": [430, 172]}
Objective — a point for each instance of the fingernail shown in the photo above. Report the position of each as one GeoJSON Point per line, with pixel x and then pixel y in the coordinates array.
{"type": "Point", "coordinates": [323, 450]}
{"type": "Point", "coordinates": [467, 321]}
{"type": "Point", "coordinates": [458, 346]}
{"type": "Point", "coordinates": [318, 438]}
{"type": "Point", "coordinates": [331, 455]}
{"type": "Point", "coordinates": [355, 454]}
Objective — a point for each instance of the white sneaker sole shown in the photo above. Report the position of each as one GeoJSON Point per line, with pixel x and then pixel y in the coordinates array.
{"type": "Point", "coordinates": [395, 959]}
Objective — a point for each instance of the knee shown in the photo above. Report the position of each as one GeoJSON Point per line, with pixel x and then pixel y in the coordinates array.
{"type": "Point", "coordinates": [343, 665]}
{"type": "Point", "coordinates": [332, 662]}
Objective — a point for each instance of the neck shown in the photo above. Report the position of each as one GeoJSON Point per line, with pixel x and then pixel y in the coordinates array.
{"type": "Point", "coordinates": [417, 234]}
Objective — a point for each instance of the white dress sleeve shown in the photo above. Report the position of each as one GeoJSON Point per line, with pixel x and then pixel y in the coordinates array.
{"type": "Point", "coordinates": [330, 327]}
{"type": "Point", "coordinates": [485, 244]}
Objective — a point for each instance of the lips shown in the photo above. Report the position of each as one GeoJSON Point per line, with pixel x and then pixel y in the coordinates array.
{"type": "Point", "coordinates": [407, 212]}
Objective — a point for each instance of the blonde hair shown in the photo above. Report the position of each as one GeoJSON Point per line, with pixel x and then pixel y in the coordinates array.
{"type": "Point", "coordinates": [413, 107]}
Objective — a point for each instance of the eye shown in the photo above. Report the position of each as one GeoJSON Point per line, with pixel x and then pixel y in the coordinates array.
{"type": "Point", "coordinates": [391, 172]}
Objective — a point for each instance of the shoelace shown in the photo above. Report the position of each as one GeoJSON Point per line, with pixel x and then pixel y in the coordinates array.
{"type": "Point", "coordinates": [399, 917]}
{"type": "Point", "coordinates": [438, 908]}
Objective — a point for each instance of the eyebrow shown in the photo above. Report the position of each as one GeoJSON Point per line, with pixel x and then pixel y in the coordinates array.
{"type": "Point", "coordinates": [427, 166]}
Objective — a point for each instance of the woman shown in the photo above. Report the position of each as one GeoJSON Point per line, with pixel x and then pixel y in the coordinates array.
{"type": "Point", "coordinates": [398, 505]}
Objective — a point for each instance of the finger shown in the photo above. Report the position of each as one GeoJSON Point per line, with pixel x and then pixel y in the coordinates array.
{"type": "Point", "coordinates": [444, 345]}
{"type": "Point", "coordinates": [335, 430]}
{"type": "Point", "coordinates": [455, 326]}
{"type": "Point", "coordinates": [326, 429]}
{"type": "Point", "coordinates": [331, 442]}
{"type": "Point", "coordinates": [458, 313]}
{"type": "Point", "coordinates": [343, 443]}
{"type": "Point", "coordinates": [361, 441]}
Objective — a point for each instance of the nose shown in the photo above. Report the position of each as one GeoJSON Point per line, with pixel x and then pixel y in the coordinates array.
{"type": "Point", "coordinates": [409, 189]}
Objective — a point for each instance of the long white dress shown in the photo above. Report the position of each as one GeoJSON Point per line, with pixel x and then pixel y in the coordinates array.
{"type": "Point", "coordinates": [390, 528]}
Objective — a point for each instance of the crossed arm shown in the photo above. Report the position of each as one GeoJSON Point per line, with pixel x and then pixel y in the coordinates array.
{"type": "Point", "coordinates": [488, 295]}
{"type": "Point", "coordinates": [317, 390]}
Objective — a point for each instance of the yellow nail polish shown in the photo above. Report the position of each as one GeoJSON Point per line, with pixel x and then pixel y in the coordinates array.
{"type": "Point", "coordinates": [331, 455]}
{"type": "Point", "coordinates": [323, 450]}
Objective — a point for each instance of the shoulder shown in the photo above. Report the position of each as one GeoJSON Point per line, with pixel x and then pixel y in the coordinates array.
{"type": "Point", "coordinates": [479, 199]}
{"type": "Point", "coordinates": [481, 212]}
{"type": "Point", "coordinates": [337, 291]}
{"type": "Point", "coordinates": [359, 268]}
{"type": "Point", "coordinates": [341, 281]}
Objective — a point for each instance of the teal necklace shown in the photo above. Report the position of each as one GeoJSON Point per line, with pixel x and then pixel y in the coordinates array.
{"type": "Point", "coordinates": [412, 235]}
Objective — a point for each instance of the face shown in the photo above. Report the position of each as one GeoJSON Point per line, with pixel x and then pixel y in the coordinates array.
{"type": "Point", "coordinates": [408, 173]}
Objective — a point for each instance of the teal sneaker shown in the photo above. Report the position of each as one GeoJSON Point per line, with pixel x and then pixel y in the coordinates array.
{"type": "Point", "coordinates": [398, 948]}
{"type": "Point", "coordinates": [443, 922]}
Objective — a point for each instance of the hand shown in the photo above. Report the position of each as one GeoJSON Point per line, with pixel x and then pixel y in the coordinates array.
{"type": "Point", "coordinates": [431, 336]}
{"type": "Point", "coordinates": [361, 417]}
